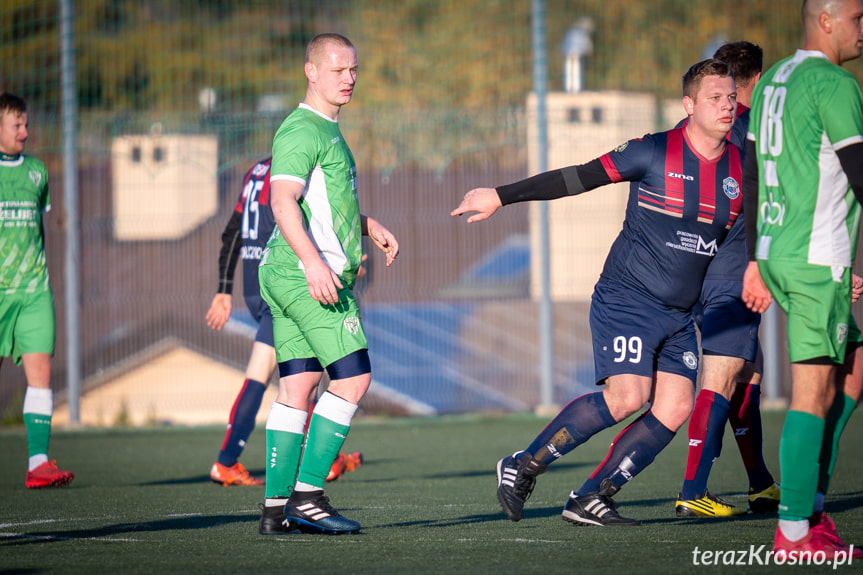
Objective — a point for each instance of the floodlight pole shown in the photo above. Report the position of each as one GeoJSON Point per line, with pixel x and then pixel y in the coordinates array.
{"type": "Point", "coordinates": [69, 91]}
{"type": "Point", "coordinates": [546, 326]}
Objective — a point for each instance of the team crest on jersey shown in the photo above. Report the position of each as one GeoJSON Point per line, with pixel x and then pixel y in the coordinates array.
{"type": "Point", "coordinates": [352, 324]}
{"type": "Point", "coordinates": [841, 332]}
{"type": "Point", "coordinates": [731, 188]}
{"type": "Point", "coordinates": [621, 147]}
{"type": "Point", "coordinates": [36, 178]}
{"type": "Point", "coordinates": [690, 361]}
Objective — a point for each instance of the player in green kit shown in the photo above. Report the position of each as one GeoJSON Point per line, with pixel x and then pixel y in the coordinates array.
{"type": "Point", "coordinates": [805, 159]}
{"type": "Point", "coordinates": [26, 304]}
{"type": "Point", "coordinates": [306, 275]}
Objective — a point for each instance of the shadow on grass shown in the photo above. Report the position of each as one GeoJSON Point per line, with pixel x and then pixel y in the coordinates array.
{"type": "Point", "coordinates": [491, 471]}
{"type": "Point", "coordinates": [534, 514]}
{"type": "Point", "coordinates": [168, 524]}
{"type": "Point", "coordinates": [843, 502]}
{"type": "Point", "coordinates": [447, 521]}
{"type": "Point", "coordinates": [261, 472]}
{"type": "Point", "coordinates": [180, 481]}
{"type": "Point", "coordinates": [838, 502]}
{"type": "Point", "coordinates": [256, 472]}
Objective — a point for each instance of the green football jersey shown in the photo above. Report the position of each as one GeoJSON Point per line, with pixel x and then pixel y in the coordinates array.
{"type": "Point", "coordinates": [309, 148]}
{"type": "Point", "coordinates": [23, 199]}
{"type": "Point", "coordinates": [803, 110]}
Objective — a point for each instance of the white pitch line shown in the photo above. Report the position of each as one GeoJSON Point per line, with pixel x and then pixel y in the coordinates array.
{"type": "Point", "coordinates": [25, 523]}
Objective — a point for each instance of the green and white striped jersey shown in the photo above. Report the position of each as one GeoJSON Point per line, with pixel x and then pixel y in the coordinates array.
{"type": "Point", "coordinates": [23, 199]}
{"type": "Point", "coordinates": [804, 109]}
{"type": "Point", "coordinates": [309, 148]}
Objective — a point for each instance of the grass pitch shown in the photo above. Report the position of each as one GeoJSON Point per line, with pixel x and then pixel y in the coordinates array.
{"type": "Point", "coordinates": [142, 502]}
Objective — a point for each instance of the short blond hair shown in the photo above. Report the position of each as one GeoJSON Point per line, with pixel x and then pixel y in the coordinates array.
{"type": "Point", "coordinates": [316, 45]}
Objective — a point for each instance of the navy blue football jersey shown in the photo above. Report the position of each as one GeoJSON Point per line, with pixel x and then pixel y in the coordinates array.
{"type": "Point", "coordinates": [257, 222]}
{"type": "Point", "coordinates": [679, 211]}
{"type": "Point", "coordinates": [730, 262]}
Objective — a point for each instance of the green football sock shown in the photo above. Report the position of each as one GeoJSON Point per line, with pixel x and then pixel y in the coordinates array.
{"type": "Point", "coordinates": [285, 433]}
{"type": "Point", "coordinates": [840, 412]}
{"type": "Point", "coordinates": [799, 450]}
{"type": "Point", "coordinates": [326, 438]}
{"type": "Point", "coordinates": [328, 430]}
{"type": "Point", "coordinates": [38, 409]}
{"type": "Point", "coordinates": [38, 433]}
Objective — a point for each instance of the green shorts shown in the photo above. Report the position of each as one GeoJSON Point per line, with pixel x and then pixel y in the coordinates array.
{"type": "Point", "coordinates": [818, 307]}
{"type": "Point", "coordinates": [27, 324]}
{"type": "Point", "coordinates": [303, 327]}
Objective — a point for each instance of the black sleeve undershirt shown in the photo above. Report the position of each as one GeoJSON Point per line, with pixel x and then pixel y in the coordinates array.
{"type": "Point", "coordinates": [230, 252]}
{"type": "Point", "coordinates": [851, 158]}
{"type": "Point", "coordinates": [554, 184]}
{"type": "Point", "coordinates": [750, 198]}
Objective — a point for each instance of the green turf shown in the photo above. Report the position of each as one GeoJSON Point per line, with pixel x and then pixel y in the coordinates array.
{"type": "Point", "coordinates": [141, 502]}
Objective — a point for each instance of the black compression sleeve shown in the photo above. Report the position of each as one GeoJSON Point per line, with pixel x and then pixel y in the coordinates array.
{"type": "Point", "coordinates": [593, 175]}
{"type": "Point", "coordinates": [750, 198]}
{"type": "Point", "coordinates": [851, 158]}
{"type": "Point", "coordinates": [545, 186]}
{"type": "Point", "coordinates": [230, 252]}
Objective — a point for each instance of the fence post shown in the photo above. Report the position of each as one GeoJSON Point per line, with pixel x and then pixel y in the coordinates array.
{"type": "Point", "coordinates": [546, 326]}
{"type": "Point", "coordinates": [69, 98]}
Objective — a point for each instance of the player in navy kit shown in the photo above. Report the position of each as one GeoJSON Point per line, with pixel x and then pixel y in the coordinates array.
{"type": "Point", "coordinates": [684, 197]}
{"type": "Point", "coordinates": [731, 357]}
{"type": "Point", "coordinates": [245, 237]}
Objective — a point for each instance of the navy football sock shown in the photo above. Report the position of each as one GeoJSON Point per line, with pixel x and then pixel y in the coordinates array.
{"type": "Point", "coordinates": [242, 421]}
{"type": "Point", "coordinates": [745, 420]}
{"type": "Point", "coordinates": [634, 449]}
{"type": "Point", "coordinates": [575, 424]}
{"type": "Point", "coordinates": [706, 428]}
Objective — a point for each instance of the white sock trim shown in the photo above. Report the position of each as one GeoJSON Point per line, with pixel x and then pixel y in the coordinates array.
{"type": "Point", "coordinates": [335, 409]}
{"type": "Point", "coordinates": [39, 400]}
{"type": "Point", "coordinates": [36, 461]}
{"type": "Point", "coordinates": [794, 530]}
{"type": "Point", "coordinates": [305, 487]}
{"type": "Point", "coordinates": [288, 419]}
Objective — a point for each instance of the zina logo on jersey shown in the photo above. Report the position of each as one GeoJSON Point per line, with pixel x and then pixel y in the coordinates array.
{"type": "Point", "coordinates": [677, 176]}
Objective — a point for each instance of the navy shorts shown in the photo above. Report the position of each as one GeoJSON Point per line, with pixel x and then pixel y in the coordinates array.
{"type": "Point", "coordinates": [635, 334]}
{"type": "Point", "coordinates": [728, 327]}
{"type": "Point", "coordinates": [262, 314]}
